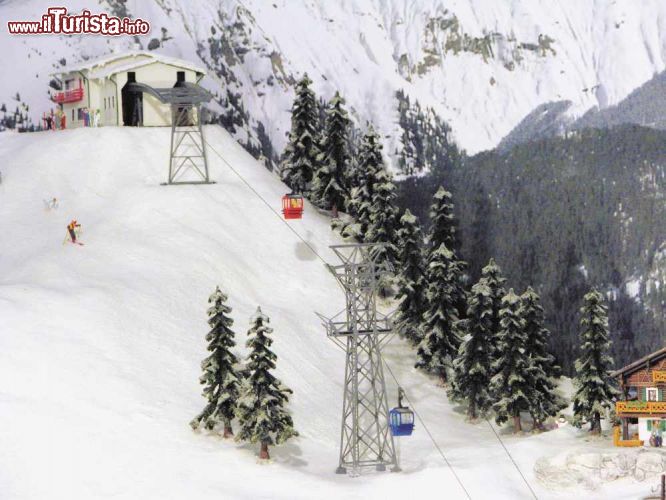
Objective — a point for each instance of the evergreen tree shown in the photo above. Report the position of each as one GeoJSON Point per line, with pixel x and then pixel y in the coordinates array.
{"type": "Point", "coordinates": [300, 156]}
{"type": "Point", "coordinates": [594, 386]}
{"type": "Point", "coordinates": [383, 226]}
{"type": "Point", "coordinates": [544, 401]}
{"type": "Point", "coordinates": [510, 385]}
{"type": "Point", "coordinates": [443, 231]}
{"type": "Point", "coordinates": [472, 368]}
{"type": "Point", "coordinates": [363, 181]}
{"type": "Point", "coordinates": [370, 162]}
{"type": "Point", "coordinates": [441, 336]}
{"type": "Point", "coordinates": [219, 376]}
{"type": "Point", "coordinates": [491, 276]}
{"type": "Point", "coordinates": [330, 186]}
{"type": "Point", "coordinates": [411, 279]}
{"type": "Point", "coordinates": [443, 226]}
{"type": "Point", "coordinates": [261, 412]}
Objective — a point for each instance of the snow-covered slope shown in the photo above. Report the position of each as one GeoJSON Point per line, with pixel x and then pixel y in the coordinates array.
{"type": "Point", "coordinates": [482, 65]}
{"type": "Point", "coordinates": [100, 344]}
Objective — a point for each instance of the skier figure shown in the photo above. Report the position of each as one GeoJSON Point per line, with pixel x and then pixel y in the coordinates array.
{"type": "Point", "coordinates": [71, 227]}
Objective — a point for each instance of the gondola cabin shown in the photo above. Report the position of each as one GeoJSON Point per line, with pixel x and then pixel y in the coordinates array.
{"type": "Point", "coordinates": [401, 421]}
{"type": "Point", "coordinates": [292, 206]}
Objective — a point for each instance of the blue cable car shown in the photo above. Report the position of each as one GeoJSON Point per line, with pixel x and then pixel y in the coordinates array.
{"type": "Point", "coordinates": [401, 418]}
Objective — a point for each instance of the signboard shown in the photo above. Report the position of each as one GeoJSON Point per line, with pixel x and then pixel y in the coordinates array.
{"type": "Point", "coordinates": [659, 376]}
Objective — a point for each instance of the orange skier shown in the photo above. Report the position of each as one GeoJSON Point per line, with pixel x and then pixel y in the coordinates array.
{"type": "Point", "coordinates": [71, 227]}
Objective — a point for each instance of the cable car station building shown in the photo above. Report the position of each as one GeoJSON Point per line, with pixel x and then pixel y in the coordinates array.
{"type": "Point", "coordinates": [642, 408]}
{"type": "Point", "coordinates": [105, 84]}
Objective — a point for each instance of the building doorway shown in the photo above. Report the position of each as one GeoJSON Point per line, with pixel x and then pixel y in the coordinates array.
{"type": "Point", "coordinates": [132, 103]}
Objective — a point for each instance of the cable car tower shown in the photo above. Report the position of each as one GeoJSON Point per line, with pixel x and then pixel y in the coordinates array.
{"type": "Point", "coordinates": [365, 438]}
{"type": "Point", "coordinates": [188, 163]}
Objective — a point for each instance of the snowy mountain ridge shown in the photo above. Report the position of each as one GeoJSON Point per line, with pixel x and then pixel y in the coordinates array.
{"type": "Point", "coordinates": [482, 66]}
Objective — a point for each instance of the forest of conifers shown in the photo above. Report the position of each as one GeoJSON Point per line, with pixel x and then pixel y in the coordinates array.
{"type": "Point", "coordinates": [562, 215]}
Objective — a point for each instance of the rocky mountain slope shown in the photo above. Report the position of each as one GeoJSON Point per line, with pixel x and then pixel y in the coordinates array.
{"type": "Point", "coordinates": [481, 65]}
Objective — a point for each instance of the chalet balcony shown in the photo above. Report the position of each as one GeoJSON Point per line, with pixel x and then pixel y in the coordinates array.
{"type": "Point", "coordinates": [73, 95]}
{"type": "Point", "coordinates": [640, 407]}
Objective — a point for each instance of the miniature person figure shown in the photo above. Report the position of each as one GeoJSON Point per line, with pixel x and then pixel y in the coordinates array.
{"type": "Point", "coordinates": [97, 117]}
{"type": "Point", "coordinates": [86, 117]}
{"type": "Point", "coordinates": [656, 431]}
{"type": "Point", "coordinates": [63, 121]}
{"type": "Point", "coordinates": [71, 227]}
{"type": "Point", "coordinates": [51, 121]}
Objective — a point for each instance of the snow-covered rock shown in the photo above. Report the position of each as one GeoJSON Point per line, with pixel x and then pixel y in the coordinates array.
{"type": "Point", "coordinates": [591, 469]}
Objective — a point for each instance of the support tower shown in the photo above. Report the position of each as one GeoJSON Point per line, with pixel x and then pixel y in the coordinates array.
{"type": "Point", "coordinates": [365, 438]}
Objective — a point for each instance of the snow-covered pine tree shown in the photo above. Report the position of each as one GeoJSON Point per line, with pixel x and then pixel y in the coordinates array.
{"type": "Point", "coordinates": [411, 279]}
{"type": "Point", "coordinates": [363, 179]}
{"type": "Point", "coordinates": [595, 387]}
{"type": "Point", "coordinates": [544, 401]}
{"type": "Point", "coordinates": [330, 185]}
{"type": "Point", "coordinates": [441, 337]}
{"type": "Point", "coordinates": [261, 411]}
{"type": "Point", "coordinates": [510, 385]}
{"type": "Point", "coordinates": [300, 156]}
{"type": "Point", "coordinates": [370, 162]}
{"type": "Point", "coordinates": [443, 226]}
{"type": "Point", "coordinates": [383, 226]}
{"type": "Point", "coordinates": [472, 370]}
{"type": "Point", "coordinates": [491, 276]}
{"type": "Point", "coordinates": [219, 376]}
{"type": "Point", "coordinates": [443, 231]}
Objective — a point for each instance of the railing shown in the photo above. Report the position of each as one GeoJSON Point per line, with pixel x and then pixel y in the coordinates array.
{"type": "Point", "coordinates": [640, 407]}
{"type": "Point", "coordinates": [72, 95]}
{"type": "Point", "coordinates": [617, 439]}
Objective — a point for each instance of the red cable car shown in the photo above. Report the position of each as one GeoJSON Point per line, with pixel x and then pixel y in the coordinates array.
{"type": "Point", "coordinates": [292, 206]}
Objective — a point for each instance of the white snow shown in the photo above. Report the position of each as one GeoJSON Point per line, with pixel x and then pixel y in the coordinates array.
{"type": "Point", "coordinates": [100, 344]}
{"type": "Point", "coordinates": [604, 50]}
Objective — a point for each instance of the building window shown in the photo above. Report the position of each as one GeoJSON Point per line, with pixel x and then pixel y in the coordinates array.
{"type": "Point", "coordinates": [72, 114]}
{"type": "Point", "coordinates": [651, 394]}
{"type": "Point", "coordinates": [69, 84]}
{"type": "Point", "coordinates": [113, 101]}
{"type": "Point", "coordinates": [105, 103]}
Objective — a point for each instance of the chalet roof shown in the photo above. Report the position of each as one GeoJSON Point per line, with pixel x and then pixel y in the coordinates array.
{"type": "Point", "coordinates": [123, 61]}
{"type": "Point", "coordinates": [640, 364]}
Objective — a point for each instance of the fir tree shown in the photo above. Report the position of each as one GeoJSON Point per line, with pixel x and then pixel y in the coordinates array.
{"type": "Point", "coordinates": [300, 156]}
{"type": "Point", "coordinates": [472, 368]}
{"type": "Point", "coordinates": [443, 226]}
{"type": "Point", "coordinates": [369, 164]}
{"type": "Point", "coordinates": [219, 376]}
{"type": "Point", "coordinates": [491, 276]}
{"type": "Point", "coordinates": [411, 279]}
{"type": "Point", "coordinates": [511, 386]}
{"type": "Point", "coordinates": [261, 412]}
{"type": "Point", "coordinates": [363, 183]}
{"type": "Point", "coordinates": [544, 401]}
{"type": "Point", "coordinates": [443, 231]}
{"type": "Point", "coordinates": [594, 386]}
{"type": "Point", "coordinates": [441, 336]}
{"type": "Point", "coordinates": [383, 226]}
{"type": "Point", "coordinates": [330, 186]}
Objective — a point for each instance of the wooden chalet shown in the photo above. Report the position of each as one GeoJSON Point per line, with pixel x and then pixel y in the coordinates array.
{"type": "Point", "coordinates": [642, 405]}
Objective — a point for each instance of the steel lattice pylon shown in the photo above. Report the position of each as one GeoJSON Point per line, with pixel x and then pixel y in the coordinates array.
{"type": "Point", "coordinates": [188, 163]}
{"type": "Point", "coordinates": [187, 154]}
{"type": "Point", "coordinates": [365, 438]}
